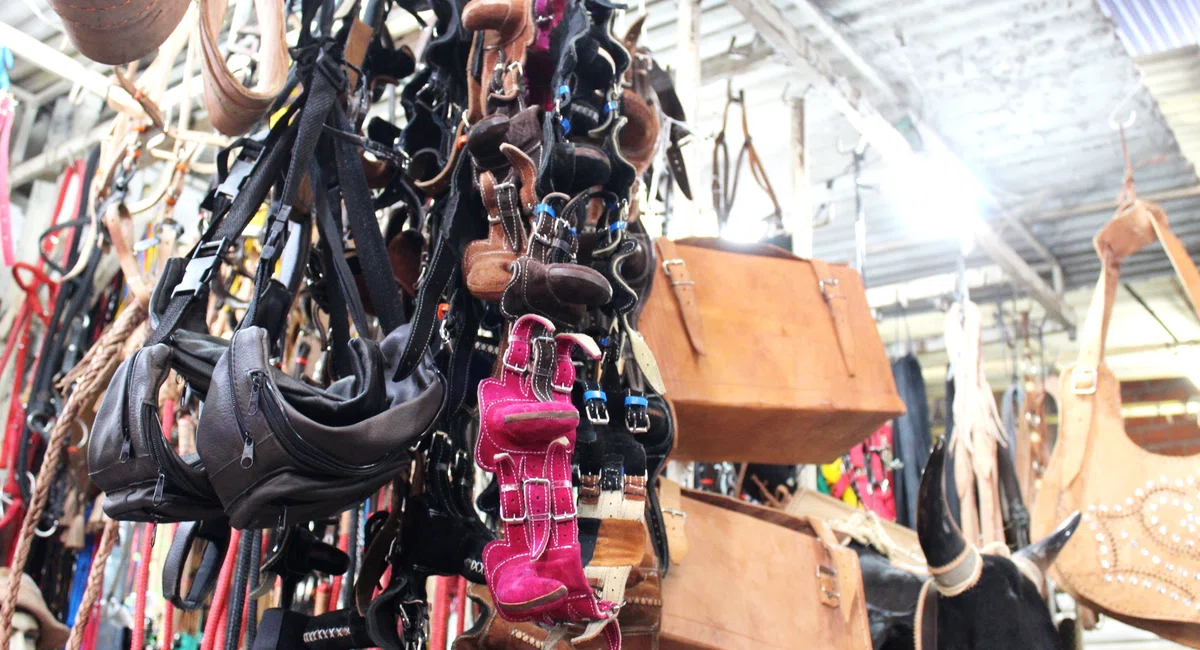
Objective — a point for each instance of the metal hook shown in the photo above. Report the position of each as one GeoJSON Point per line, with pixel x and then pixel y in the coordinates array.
{"type": "Point", "coordinates": [1126, 99]}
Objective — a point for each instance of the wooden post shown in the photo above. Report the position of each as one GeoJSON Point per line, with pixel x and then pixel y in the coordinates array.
{"type": "Point", "coordinates": [801, 224]}
{"type": "Point", "coordinates": [685, 216]}
{"type": "Point", "coordinates": [20, 147]}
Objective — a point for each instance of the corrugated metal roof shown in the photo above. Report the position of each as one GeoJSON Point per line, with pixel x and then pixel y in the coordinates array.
{"type": "Point", "coordinates": [1021, 91]}
{"type": "Point", "coordinates": [1173, 78]}
{"type": "Point", "coordinates": [1152, 26]}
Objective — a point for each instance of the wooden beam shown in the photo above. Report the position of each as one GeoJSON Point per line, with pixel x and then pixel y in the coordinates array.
{"type": "Point", "coordinates": [51, 60]}
{"type": "Point", "coordinates": [817, 17]}
{"type": "Point", "coordinates": [799, 51]}
{"type": "Point", "coordinates": [739, 59]}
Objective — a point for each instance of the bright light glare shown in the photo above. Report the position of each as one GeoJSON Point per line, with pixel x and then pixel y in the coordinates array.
{"type": "Point", "coordinates": [935, 193]}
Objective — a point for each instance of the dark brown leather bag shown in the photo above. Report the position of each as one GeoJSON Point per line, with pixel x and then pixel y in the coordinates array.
{"type": "Point", "coordinates": [767, 357]}
{"type": "Point", "coordinates": [759, 578]}
{"type": "Point", "coordinates": [115, 32]}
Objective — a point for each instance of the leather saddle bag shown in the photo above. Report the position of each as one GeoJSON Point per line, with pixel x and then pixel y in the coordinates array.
{"type": "Point", "coordinates": [119, 32]}
{"type": "Point", "coordinates": [759, 578]}
{"type": "Point", "coordinates": [1138, 560]}
{"type": "Point", "coordinates": [766, 357]}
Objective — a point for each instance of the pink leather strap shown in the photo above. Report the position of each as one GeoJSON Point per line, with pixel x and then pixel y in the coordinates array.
{"type": "Point", "coordinates": [6, 238]}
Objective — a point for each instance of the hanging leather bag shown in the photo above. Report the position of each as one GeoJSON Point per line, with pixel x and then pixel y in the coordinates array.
{"type": "Point", "coordinates": [727, 595]}
{"type": "Point", "coordinates": [118, 32]}
{"type": "Point", "coordinates": [767, 357]}
{"type": "Point", "coordinates": [1138, 560]}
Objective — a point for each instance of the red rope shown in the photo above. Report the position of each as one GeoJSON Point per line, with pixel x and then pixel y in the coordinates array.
{"type": "Point", "coordinates": [216, 611]}
{"type": "Point", "coordinates": [168, 635]}
{"type": "Point", "coordinates": [461, 595]}
{"type": "Point", "coordinates": [438, 613]}
{"type": "Point", "coordinates": [143, 581]}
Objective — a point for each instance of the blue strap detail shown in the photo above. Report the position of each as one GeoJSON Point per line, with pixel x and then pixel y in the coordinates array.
{"type": "Point", "coordinates": [589, 395]}
{"type": "Point", "coordinates": [545, 208]}
{"type": "Point", "coordinates": [617, 225]}
{"type": "Point", "coordinates": [610, 107]}
{"type": "Point", "coordinates": [566, 126]}
{"type": "Point", "coordinates": [564, 90]}
{"type": "Point", "coordinates": [634, 400]}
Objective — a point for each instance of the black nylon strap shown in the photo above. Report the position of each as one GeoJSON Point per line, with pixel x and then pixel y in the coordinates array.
{"type": "Point", "coordinates": [230, 226]}
{"type": "Point", "coordinates": [443, 267]}
{"type": "Point", "coordinates": [368, 240]}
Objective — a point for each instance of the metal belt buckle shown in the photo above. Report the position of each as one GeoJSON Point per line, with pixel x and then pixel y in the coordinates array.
{"type": "Point", "coordinates": [564, 516]}
{"type": "Point", "coordinates": [827, 579]}
{"type": "Point", "coordinates": [595, 406]}
{"type": "Point", "coordinates": [637, 420]}
{"type": "Point", "coordinates": [524, 508]}
{"type": "Point", "coordinates": [1086, 374]}
{"type": "Point", "coordinates": [831, 282]}
{"type": "Point", "coordinates": [546, 516]}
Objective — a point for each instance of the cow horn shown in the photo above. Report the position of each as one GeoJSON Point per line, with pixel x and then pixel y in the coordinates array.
{"type": "Point", "coordinates": [940, 537]}
{"type": "Point", "coordinates": [1041, 554]}
{"type": "Point", "coordinates": [954, 563]}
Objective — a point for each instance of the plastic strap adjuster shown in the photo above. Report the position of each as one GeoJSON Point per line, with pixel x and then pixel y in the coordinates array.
{"type": "Point", "coordinates": [200, 268]}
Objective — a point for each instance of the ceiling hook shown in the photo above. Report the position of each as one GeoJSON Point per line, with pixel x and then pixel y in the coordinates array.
{"type": "Point", "coordinates": [1127, 99]}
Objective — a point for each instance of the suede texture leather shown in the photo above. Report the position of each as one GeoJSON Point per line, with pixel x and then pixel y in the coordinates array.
{"type": "Point", "coordinates": [527, 434]}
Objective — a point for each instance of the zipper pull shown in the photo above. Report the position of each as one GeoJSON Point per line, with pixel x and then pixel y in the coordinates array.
{"type": "Point", "coordinates": [126, 450]}
{"type": "Point", "coordinates": [158, 489]}
{"type": "Point", "coordinates": [248, 453]}
{"type": "Point", "coordinates": [255, 393]}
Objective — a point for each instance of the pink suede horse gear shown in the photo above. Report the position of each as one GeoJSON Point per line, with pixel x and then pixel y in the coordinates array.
{"type": "Point", "coordinates": [526, 436]}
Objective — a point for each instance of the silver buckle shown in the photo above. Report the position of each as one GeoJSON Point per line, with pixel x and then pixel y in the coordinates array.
{"type": "Point", "coordinates": [1076, 374]}
{"type": "Point", "coordinates": [566, 516]}
{"type": "Point", "coordinates": [832, 282]}
{"type": "Point", "coordinates": [549, 494]}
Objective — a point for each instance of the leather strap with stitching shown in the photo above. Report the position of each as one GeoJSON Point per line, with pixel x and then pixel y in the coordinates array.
{"type": "Point", "coordinates": [685, 292]}
{"type": "Point", "coordinates": [835, 301]}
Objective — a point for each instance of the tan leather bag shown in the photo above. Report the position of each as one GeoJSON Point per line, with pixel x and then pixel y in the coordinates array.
{"type": "Point", "coordinates": [767, 357]}
{"type": "Point", "coordinates": [1137, 557]}
{"type": "Point", "coordinates": [758, 578]}
{"type": "Point", "coordinates": [118, 32]}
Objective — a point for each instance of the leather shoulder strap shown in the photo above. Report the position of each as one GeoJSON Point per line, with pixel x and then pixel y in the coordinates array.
{"type": "Point", "coordinates": [925, 621]}
{"type": "Point", "coordinates": [835, 301]}
{"type": "Point", "coordinates": [685, 291]}
{"type": "Point", "coordinates": [1131, 229]}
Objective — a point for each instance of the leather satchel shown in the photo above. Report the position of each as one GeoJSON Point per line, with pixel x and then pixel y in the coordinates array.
{"type": "Point", "coordinates": [1138, 560]}
{"type": "Point", "coordinates": [766, 357]}
{"type": "Point", "coordinates": [760, 578]}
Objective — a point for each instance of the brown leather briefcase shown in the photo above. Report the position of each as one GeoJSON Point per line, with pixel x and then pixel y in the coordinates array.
{"type": "Point", "coordinates": [767, 357]}
{"type": "Point", "coordinates": [1138, 558]}
{"type": "Point", "coordinates": [758, 578]}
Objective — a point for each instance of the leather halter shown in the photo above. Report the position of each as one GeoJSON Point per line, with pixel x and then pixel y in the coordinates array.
{"type": "Point", "coordinates": [724, 189]}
